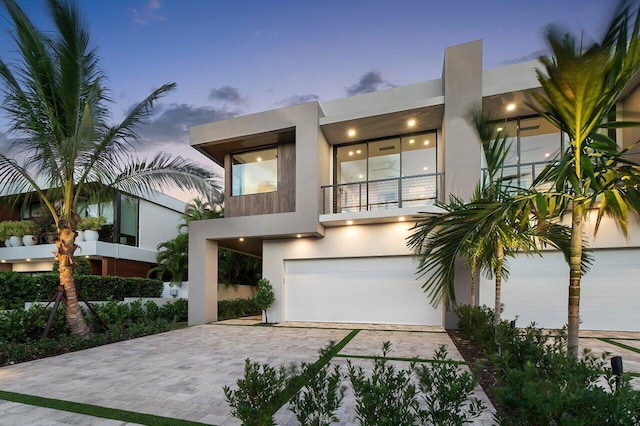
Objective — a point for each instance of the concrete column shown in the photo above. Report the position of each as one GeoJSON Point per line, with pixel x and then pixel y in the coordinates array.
{"type": "Point", "coordinates": [462, 75]}
{"type": "Point", "coordinates": [203, 277]}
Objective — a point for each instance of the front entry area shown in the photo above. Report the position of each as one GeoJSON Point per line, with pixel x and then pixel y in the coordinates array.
{"type": "Point", "coordinates": [357, 290]}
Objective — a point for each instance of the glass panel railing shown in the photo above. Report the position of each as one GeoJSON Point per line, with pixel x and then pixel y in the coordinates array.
{"type": "Point", "coordinates": [409, 191]}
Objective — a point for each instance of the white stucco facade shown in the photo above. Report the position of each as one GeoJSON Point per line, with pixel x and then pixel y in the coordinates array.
{"type": "Point", "coordinates": [335, 264]}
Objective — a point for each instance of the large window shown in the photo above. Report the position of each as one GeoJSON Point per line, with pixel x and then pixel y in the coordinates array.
{"type": "Point", "coordinates": [254, 172]}
{"type": "Point", "coordinates": [386, 173]}
{"type": "Point", "coordinates": [533, 143]}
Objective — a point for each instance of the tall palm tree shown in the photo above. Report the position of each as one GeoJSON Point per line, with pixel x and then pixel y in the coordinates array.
{"type": "Point", "coordinates": [56, 102]}
{"type": "Point", "coordinates": [581, 87]}
{"type": "Point", "coordinates": [482, 231]}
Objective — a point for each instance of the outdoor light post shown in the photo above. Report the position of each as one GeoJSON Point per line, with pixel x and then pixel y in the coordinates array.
{"type": "Point", "coordinates": [616, 368]}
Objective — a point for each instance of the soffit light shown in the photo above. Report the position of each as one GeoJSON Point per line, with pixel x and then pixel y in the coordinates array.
{"type": "Point", "coordinates": [359, 151]}
{"type": "Point", "coordinates": [411, 122]}
{"type": "Point", "coordinates": [401, 219]}
{"type": "Point", "coordinates": [241, 239]}
{"type": "Point", "coordinates": [259, 159]}
{"type": "Point", "coordinates": [351, 133]}
{"type": "Point", "coordinates": [511, 107]}
{"type": "Point", "coordinates": [426, 142]}
{"type": "Point", "coordinates": [28, 260]}
{"type": "Point", "coordinates": [411, 141]}
{"type": "Point", "coordinates": [349, 222]}
{"type": "Point", "coordinates": [350, 153]}
{"type": "Point", "coordinates": [299, 236]}
{"type": "Point", "coordinates": [3, 261]}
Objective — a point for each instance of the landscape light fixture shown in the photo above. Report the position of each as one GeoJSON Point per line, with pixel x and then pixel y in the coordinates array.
{"type": "Point", "coordinates": [616, 369]}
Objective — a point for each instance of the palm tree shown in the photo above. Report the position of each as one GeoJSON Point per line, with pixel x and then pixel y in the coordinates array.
{"type": "Point", "coordinates": [581, 87]}
{"type": "Point", "coordinates": [482, 231]}
{"type": "Point", "coordinates": [173, 259]}
{"type": "Point", "coordinates": [56, 103]}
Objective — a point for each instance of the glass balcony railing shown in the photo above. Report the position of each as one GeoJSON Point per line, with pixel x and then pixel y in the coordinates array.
{"type": "Point", "coordinates": [408, 191]}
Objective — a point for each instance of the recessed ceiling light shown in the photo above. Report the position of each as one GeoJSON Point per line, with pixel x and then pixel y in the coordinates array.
{"type": "Point", "coordinates": [299, 236]}
{"type": "Point", "coordinates": [359, 151]}
{"type": "Point", "coordinates": [241, 239]}
{"type": "Point", "coordinates": [28, 260]}
{"type": "Point", "coordinates": [86, 257]}
{"type": "Point", "coordinates": [547, 154]}
{"type": "Point", "coordinates": [411, 141]}
{"type": "Point", "coordinates": [3, 261]}
{"type": "Point", "coordinates": [425, 168]}
{"type": "Point", "coordinates": [411, 123]}
{"type": "Point", "coordinates": [499, 129]}
{"type": "Point", "coordinates": [351, 132]}
{"type": "Point", "coordinates": [426, 142]}
{"type": "Point", "coordinates": [349, 222]}
{"type": "Point", "coordinates": [259, 159]}
{"type": "Point", "coordinates": [350, 153]}
{"type": "Point", "coordinates": [401, 219]}
{"type": "Point", "coordinates": [511, 107]}
{"type": "Point", "coordinates": [360, 176]}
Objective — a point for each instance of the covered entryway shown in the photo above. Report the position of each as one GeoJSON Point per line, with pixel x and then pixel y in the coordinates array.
{"type": "Point", "coordinates": [357, 290]}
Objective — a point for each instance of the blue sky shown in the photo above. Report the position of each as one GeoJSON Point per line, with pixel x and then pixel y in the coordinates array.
{"type": "Point", "coordinates": [234, 57]}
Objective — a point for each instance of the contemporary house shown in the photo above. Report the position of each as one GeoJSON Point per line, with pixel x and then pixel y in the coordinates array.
{"type": "Point", "coordinates": [128, 242]}
{"type": "Point", "coordinates": [326, 192]}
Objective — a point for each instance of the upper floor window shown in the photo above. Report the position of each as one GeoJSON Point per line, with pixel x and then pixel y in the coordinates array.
{"type": "Point", "coordinates": [254, 172]}
{"type": "Point", "coordinates": [533, 143]}
{"type": "Point", "coordinates": [387, 173]}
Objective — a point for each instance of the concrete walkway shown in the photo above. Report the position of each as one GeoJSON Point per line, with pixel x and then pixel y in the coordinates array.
{"type": "Point", "coordinates": [180, 374]}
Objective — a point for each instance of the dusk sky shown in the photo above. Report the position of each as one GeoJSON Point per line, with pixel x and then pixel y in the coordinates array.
{"type": "Point", "coordinates": [236, 57]}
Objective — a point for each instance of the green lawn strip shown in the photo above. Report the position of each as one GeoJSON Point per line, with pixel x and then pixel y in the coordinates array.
{"type": "Point", "coordinates": [297, 382]}
{"type": "Point", "coordinates": [94, 410]}
{"type": "Point", "coordinates": [395, 358]}
{"type": "Point", "coordinates": [622, 345]}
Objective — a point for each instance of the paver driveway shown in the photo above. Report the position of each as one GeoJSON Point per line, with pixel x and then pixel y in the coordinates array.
{"type": "Point", "coordinates": [180, 374]}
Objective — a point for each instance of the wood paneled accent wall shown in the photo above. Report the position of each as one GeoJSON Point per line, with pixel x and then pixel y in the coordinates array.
{"type": "Point", "coordinates": [281, 201]}
{"type": "Point", "coordinates": [121, 267]}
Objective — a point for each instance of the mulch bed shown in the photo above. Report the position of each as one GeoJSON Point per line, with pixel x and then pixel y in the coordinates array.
{"type": "Point", "coordinates": [477, 361]}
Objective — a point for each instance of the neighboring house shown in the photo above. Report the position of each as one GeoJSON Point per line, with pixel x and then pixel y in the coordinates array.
{"type": "Point", "coordinates": [128, 241]}
{"type": "Point", "coordinates": [325, 193]}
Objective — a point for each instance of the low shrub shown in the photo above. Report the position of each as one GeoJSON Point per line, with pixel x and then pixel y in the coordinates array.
{"type": "Point", "coordinates": [237, 308]}
{"type": "Point", "coordinates": [13, 352]}
{"type": "Point", "coordinates": [252, 401]}
{"type": "Point", "coordinates": [538, 384]}
{"type": "Point", "coordinates": [321, 397]}
{"type": "Point", "coordinates": [387, 397]}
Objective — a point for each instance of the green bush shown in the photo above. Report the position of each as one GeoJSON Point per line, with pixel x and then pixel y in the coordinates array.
{"type": "Point", "coordinates": [538, 384]}
{"type": "Point", "coordinates": [321, 397]}
{"type": "Point", "coordinates": [12, 352]}
{"type": "Point", "coordinates": [16, 289]}
{"type": "Point", "coordinates": [252, 401]}
{"type": "Point", "coordinates": [237, 308]}
{"type": "Point", "coordinates": [23, 326]}
{"type": "Point", "coordinates": [387, 397]}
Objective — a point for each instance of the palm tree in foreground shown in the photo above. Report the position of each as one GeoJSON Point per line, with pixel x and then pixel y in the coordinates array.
{"type": "Point", "coordinates": [56, 103]}
{"type": "Point", "coordinates": [581, 87]}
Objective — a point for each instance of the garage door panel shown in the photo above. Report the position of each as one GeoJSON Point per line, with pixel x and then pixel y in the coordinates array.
{"type": "Point", "coordinates": [366, 290]}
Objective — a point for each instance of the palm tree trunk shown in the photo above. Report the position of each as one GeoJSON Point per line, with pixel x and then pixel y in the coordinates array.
{"type": "Point", "coordinates": [66, 248]}
{"type": "Point", "coordinates": [498, 275]}
{"type": "Point", "coordinates": [574, 280]}
{"type": "Point", "coordinates": [474, 290]}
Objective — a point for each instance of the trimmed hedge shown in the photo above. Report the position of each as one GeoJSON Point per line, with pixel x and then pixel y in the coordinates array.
{"type": "Point", "coordinates": [237, 308]}
{"type": "Point", "coordinates": [16, 289]}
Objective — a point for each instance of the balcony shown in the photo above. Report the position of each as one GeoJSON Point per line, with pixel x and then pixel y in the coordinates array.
{"type": "Point", "coordinates": [391, 193]}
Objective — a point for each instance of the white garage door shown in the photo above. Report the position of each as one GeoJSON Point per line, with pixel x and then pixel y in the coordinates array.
{"type": "Point", "coordinates": [538, 288]}
{"type": "Point", "coordinates": [360, 290]}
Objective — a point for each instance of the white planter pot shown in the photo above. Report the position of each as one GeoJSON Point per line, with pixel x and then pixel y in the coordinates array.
{"type": "Point", "coordinates": [16, 241]}
{"type": "Point", "coordinates": [7, 242]}
{"type": "Point", "coordinates": [90, 235]}
{"type": "Point", "coordinates": [29, 240]}
{"type": "Point", "coordinates": [80, 236]}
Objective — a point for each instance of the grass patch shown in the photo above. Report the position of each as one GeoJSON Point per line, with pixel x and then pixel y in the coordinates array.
{"type": "Point", "coordinates": [397, 358]}
{"type": "Point", "coordinates": [94, 410]}
{"type": "Point", "coordinates": [621, 345]}
{"type": "Point", "coordinates": [297, 382]}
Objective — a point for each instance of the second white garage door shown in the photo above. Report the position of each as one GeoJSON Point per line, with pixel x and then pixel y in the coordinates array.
{"type": "Point", "coordinates": [381, 290]}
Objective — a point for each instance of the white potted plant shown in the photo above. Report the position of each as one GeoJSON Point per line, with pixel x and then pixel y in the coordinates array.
{"type": "Point", "coordinates": [28, 231]}
{"type": "Point", "coordinates": [91, 226]}
{"type": "Point", "coordinates": [15, 230]}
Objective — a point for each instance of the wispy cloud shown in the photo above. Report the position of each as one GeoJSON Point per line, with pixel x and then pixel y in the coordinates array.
{"type": "Point", "coordinates": [149, 12]}
{"type": "Point", "coordinates": [530, 57]}
{"type": "Point", "coordinates": [227, 95]}
{"type": "Point", "coordinates": [298, 99]}
{"type": "Point", "coordinates": [371, 81]}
